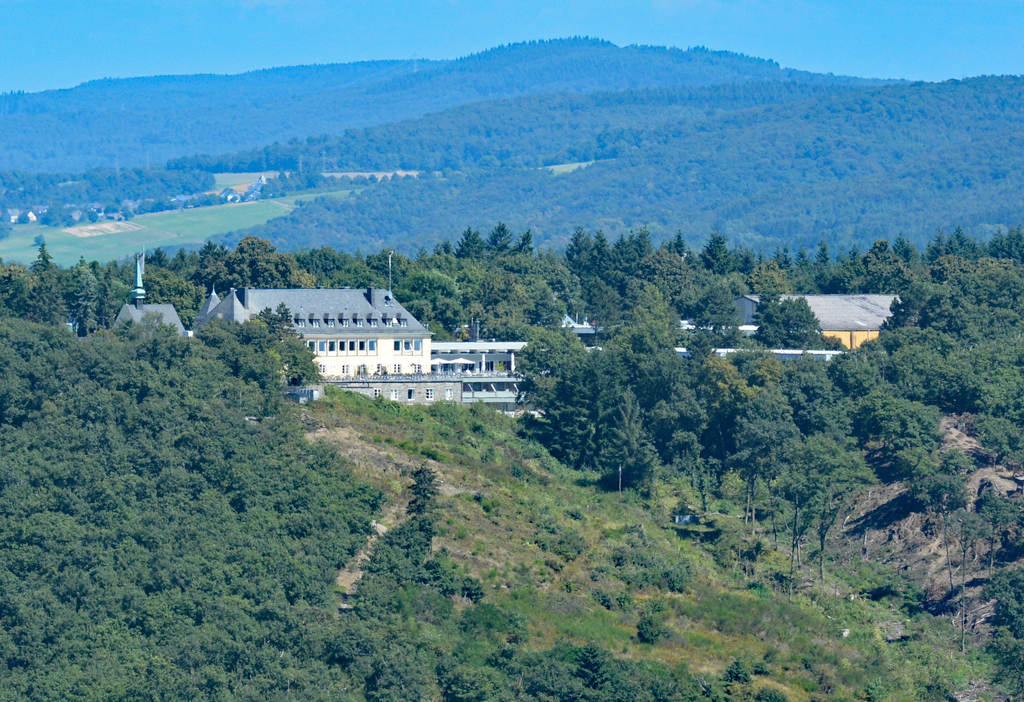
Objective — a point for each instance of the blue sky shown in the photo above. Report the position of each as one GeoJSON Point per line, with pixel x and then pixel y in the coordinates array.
{"type": "Point", "coordinates": [59, 43]}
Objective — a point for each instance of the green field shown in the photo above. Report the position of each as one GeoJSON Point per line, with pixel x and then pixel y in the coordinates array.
{"type": "Point", "coordinates": [105, 241]}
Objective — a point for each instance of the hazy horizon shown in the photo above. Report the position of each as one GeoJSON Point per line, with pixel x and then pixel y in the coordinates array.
{"type": "Point", "coordinates": [59, 45]}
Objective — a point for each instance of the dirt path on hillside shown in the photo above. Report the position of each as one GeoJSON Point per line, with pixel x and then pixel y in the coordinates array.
{"type": "Point", "coordinates": [388, 468]}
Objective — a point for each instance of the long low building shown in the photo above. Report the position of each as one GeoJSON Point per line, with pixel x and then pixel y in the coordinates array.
{"type": "Point", "coordinates": [475, 356]}
{"type": "Point", "coordinates": [853, 319]}
{"type": "Point", "coordinates": [497, 390]}
{"type": "Point", "coordinates": [460, 371]}
{"type": "Point", "coordinates": [781, 354]}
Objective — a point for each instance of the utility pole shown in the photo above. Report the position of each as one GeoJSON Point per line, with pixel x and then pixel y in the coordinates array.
{"type": "Point", "coordinates": [620, 479]}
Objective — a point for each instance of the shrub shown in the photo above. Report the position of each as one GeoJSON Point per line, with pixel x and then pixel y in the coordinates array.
{"type": "Point", "coordinates": [651, 628]}
{"type": "Point", "coordinates": [568, 543]}
{"type": "Point", "coordinates": [738, 671]}
{"type": "Point", "coordinates": [485, 618]}
{"type": "Point", "coordinates": [472, 589]}
{"type": "Point", "coordinates": [638, 566]}
{"type": "Point", "coordinates": [677, 577]}
{"type": "Point", "coordinates": [604, 598]}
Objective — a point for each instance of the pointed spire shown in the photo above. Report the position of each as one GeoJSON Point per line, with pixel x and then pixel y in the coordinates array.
{"type": "Point", "coordinates": [138, 293]}
{"type": "Point", "coordinates": [208, 306]}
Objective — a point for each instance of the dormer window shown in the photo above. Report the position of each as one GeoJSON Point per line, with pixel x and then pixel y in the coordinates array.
{"type": "Point", "coordinates": [373, 322]}
{"type": "Point", "coordinates": [403, 322]}
{"type": "Point", "coordinates": [314, 322]}
{"type": "Point", "coordinates": [300, 322]}
{"type": "Point", "coordinates": [344, 322]}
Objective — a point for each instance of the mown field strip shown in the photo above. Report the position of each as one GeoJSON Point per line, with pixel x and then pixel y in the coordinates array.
{"type": "Point", "coordinates": [104, 241]}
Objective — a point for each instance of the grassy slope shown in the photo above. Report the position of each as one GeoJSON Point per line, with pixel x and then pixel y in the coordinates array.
{"type": "Point", "coordinates": [177, 228]}
{"type": "Point", "coordinates": [502, 496]}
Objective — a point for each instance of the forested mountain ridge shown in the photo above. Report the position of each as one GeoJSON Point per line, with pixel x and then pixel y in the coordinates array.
{"type": "Point", "coordinates": [517, 132]}
{"type": "Point", "coordinates": [849, 166]}
{"type": "Point", "coordinates": [530, 130]}
{"type": "Point", "coordinates": [137, 121]}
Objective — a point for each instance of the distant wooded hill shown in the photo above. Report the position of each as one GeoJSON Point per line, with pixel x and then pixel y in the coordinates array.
{"type": "Point", "coordinates": [135, 121]}
{"type": "Point", "coordinates": [769, 165]}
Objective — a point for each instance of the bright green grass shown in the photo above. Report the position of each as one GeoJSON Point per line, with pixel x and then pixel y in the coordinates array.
{"type": "Point", "coordinates": [202, 222]}
{"type": "Point", "coordinates": [66, 249]}
{"type": "Point", "coordinates": [162, 229]}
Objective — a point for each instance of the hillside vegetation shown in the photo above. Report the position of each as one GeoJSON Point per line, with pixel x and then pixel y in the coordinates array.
{"type": "Point", "coordinates": [859, 532]}
{"type": "Point", "coordinates": [136, 121]}
{"type": "Point", "coordinates": [189, 537]}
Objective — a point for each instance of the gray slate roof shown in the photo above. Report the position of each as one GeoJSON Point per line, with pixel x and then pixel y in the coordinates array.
{"type": "Point", "coordinates": [167, 314]}
{"type": "Point", "coordinates": [846, 312]}
{"type": "Point", "coordinates": [209, 305]}
{"type": "Point", "coordinates": [312, 303]}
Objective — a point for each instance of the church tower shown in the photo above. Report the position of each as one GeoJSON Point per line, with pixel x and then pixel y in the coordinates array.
{"type": "Point", "coordinates": [138, 293]}
{"type": "Point", "coordinates": [136, 307]}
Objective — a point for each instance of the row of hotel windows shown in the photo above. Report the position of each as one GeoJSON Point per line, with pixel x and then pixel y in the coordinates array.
{"type": "Point", "coordinates": [382, 369]}
{"type": "Point", "coordinates": [330, 323]}
{"type": "Point", "coordinates": [365, 345]}
{"type": "Point", "coordinates": [410, 393]}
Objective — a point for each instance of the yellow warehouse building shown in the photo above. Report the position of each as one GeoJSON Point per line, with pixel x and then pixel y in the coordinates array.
{"type": "Point", "coordinates": [853, 319]}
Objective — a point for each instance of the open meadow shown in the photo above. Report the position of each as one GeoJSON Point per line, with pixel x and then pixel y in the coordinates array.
{"type": "Point", "coordinates": [105, 241]}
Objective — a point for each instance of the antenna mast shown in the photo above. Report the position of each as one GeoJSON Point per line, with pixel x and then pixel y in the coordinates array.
{"type": "Point", "coordinates": [390, 292]}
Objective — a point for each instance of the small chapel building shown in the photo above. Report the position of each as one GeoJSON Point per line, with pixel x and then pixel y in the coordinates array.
{"type": "Point", "coordinates": [136, 308]}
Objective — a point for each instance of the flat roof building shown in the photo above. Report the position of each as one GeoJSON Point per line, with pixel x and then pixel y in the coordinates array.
{"type": "Point", "coordinates": [853, 319]}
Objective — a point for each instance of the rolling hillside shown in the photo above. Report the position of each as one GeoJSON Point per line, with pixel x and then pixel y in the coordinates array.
{"type": "Point", "coordinates": [850, 166]}
{"type": "Point", "coordinates": [141, 120]}
{"type": "Point", "coordinates": [186, 532]}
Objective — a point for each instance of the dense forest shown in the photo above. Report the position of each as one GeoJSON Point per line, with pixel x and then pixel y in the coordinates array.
{"type": "Point", "coordinates": [522, 132]}
{"type": "Point", "coordinates": [136, 121]}
{"type": "Point", "coordinates": [170, 531]}
{"type": "Point", "coordinates": [526, 131]}
{"type": "Point", "coordinates": [849, 165]}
